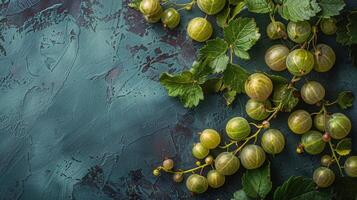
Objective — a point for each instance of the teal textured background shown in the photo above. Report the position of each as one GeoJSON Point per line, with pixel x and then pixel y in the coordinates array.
{"type": "Point", "coordinates": [82, 115]}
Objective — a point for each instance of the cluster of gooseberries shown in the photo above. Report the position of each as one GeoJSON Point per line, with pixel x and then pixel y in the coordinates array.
{"type": "Point", "coordinates": [266, 101]}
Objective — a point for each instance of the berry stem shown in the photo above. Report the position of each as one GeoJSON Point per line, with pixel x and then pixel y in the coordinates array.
{"type": "Point", "coordinates": [335, 157]}
{"type": "Point", "coordinates": [185, 171]}
{"type": "Point", "coordinates": [229, 144]}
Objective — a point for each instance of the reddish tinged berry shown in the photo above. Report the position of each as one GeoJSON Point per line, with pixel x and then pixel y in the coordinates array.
{"type": "Point", "coordinates": [326, 137]}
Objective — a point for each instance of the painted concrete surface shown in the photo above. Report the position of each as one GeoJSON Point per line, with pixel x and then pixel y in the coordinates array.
{"type": "Point", "coordinates": [82, 115]}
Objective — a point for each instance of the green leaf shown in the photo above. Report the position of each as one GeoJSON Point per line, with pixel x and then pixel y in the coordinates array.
{"type": "Point", "coordinates": [200, 70]}
{"type": "Point", "coordinates": [256, 183]}
{"type": "Point", "coordinates": [352, 27]}
{"type": "Point", "coordinates": [313, 195]}
{"type": "Point", "coordinates": [183, 86]}
{"type": "Point", "coordinates": [135, 4]}
{"type": "Point", "coordinates": [235, 77]}
{"type": "Point", "coordinates": [215, 51]}
{"type": "Point", "coordinates": [276, 79]}
{"type": "Point", "coordinates": [342, 36]}
{"type": "Point", "coordinates": [242, 34]}
{"type": "Point", "coordinates": [222, 17]}
{"type": "Point", "coordinates": [260, 6]}
{"type": "Point", "coordinates": [331, 8]}
{"type": "Point", "coordinates": [345, 188]}
{"type": "Point", "coordinates": [344, 147]}
{"type": "Point", "coordinates": [213, 85]}
{"type": "Point", "coordinates": [240, 195]}
{"type": "Point", "coordinates": [345, 99]}
{"type": "Point", "coordinates": [298, 10]}
{"type": "Point", "coordinates": [285, 97]}
{"type": "Point", "coordinates": [293, 188]}
{"type": "Point", "coordinates": [230, 96]}
{"type": "Point", "coordinates": [237, 9]}
{"type": "Point", "coordinates": [234, 2]}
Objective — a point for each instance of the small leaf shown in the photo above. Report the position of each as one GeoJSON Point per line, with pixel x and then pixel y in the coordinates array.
{"type": "Point", "coordinates": [219, 64]}
{"type": "Point", "coordinates": [345, 99]}
{"type": "Point", "coordinates": [285, 97]}
{"type": "Point", "coordinates": [242, 34]}
{"type": "Point", "coordinates": [294, 187]}
{"type": "Point", "coordinates": [235, 77]}
{"type": "Point", "coordinates": [237, 9]}
{"type": "Point", "coordinates": [352, 27]}
{"type": "Point", "coordinates": [260, 6]}
{"type": "Point", "coordinates": [135, 4]}
{"type": "Point", "coordinates": [344, 147]}
{"type": "Point", "coordinates": [240, 195]}
{"type": "Point", "coordinates": [183, 86]}
{"type": "Point", "coordinates": [276, 79]}
{"type": "Point", "coordinates": [222, 17]}
{"type": "Point", "coordinates": [215, 51]}
{"type": "Point", "coordinates": [256, 183]}
{"type": "Point", "coordinates": [213, 86]}
{"type": "Point", "coordinates": [298, 10]}
{"type": "Point", "coordinates": [331, 8]}
{"type": "Point", "coordinates": [342, 36]}
{"type": "Point", "coordinates": [230, 96]}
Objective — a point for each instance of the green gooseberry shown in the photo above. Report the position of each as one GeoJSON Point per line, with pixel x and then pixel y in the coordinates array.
{"type": "Point", "coordinates": [325, 58]}
{"type": "Point", "coordinates": [275, 57]}
{"type": "Point", "coordinates": [328, 26]}
{"type": "Point", "coordinates": [258, 86]}
{"type": "Point", "coordinates": [197, 184]}
{"type": "Point", "coordinates": [300, 122]}
{"type": "Point", "coordinates": [238, 128]}
{"type": "Point", "coordinates": [170, 18]}
{"type": "Point", "coordinates": [319, 121]}
{"type": "Point", "coordinates": [323, 177]}
{"type": "Point", "coordinates": [312, 92]}
{"type": "Point", "coordinates": [299, 32]}
{"type": "Point", "coordinates": [326, 160]}
{"type": "Point", "coordinates": [258, 110]}
{"type": "Point", "coordinates": [199, 151]}
{"type": "Point", "coordinates": [252, 156]}
{"type": "Point", "coordinates": [300, 62]}
{"type": "Point", "coordinates": [350, 166]}
{"type": "Point", "coordinates": [339, 126]}
{"type": "Point", "coordinates": [226, 163]}
{"type": "Point", "coordinates": [210, 138]}
{"type": "Point", "coordinates": [276, 30]}
{"type": "Point", "coordinates": [273, 141]}
{"type": "Point", "coordinates": [199, 29]}
{"type": "Point", "coordinates": [153, 18]}
{"type": "Point", "coordinates": [150, 7]}
{"type": "Point", "coordinates": [211, 7]}
{"type": "Point", "coordinates": [312, 142]}
{"type": "Point", "coordinates": [215, 179]}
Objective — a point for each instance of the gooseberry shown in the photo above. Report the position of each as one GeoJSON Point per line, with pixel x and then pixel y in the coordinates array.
{"type": "Point", "coordinates": [328, 26]}
{"type": "Point", "coordinates": [326, 160]}
{"type": "Point", "coordinates": [300, 62]}
{"type": "Point", "coordinates": [199, 151]}
{"type": "Point", "coordinates": [312, 92]}
{"type": "Point", "coordinates": [150, 7]}
{"type": "Point", "coordinates": [215, 179]}
{"type": "Point", "coordinates": [351, 166]}
{"type": "Point", "coordinates": [252, 156]}
{"type": "Point", "coordinates": [325, 58]}
{"type": "Point", "coordinates": [177, 177]}
{"type": "Point", "coordinates": [299, 32]}
{"type": "Point", "coordinates": [258, 86]}
{"type": "Point", "coordinates": [319, 121]}
{"type": "Point", "coordinates": [273, 141]}
{"type": "Point", "coordinates": [238, 128]}
{"type": "Point", "coordinates": [170, 18]}
{"type": "Point", "coordinates": [312, 142]}
{"type": "Point", "coordinates": [199, 29]}
{"type": "Point", "coordinates": [339, 126]}
{"type": "Point", "coordinates": [323, 177]}
{"type": "Point", "coordinates": [275, 57]}
{"type": "Point", "coordinates": [156, 172]}
{"type": "Point", "coordinates": [209, 160]}
{"type": "Point", "coordinates": [168, 164]}
{"type": "Point", "coordinates": [258, 110]}
{"type": "Point", "coordinates": [276, 30]}
{"type": "Point", "coordinates": [154, 18]}
{"type": "Point", "coordinates": [211, 7]}
{"type": "Point", "coordinates": [197, 184]}
{"type": "Point", "coordinates": [210, 138]}
{"type": "Point", "coordinates": [226, 163]}
{"type": "Point", "coordinates": [300, 122]}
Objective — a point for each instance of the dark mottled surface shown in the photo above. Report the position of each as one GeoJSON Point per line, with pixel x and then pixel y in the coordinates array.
{"type": "Point", "coordinates": [82, 115]}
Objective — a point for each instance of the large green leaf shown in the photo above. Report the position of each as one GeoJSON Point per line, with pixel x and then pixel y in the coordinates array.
{"type": "Point", "coordinates": [299, 188]}
{"type": "Point", "coordinates": [235, 77]}
{"type": "Point", "coordinates": [298, 10]}
{"type": "Point", "coordinates": [237, 9]}
{"type": "Point", "coordinates": [240, 195]}
{"type": "Point", "coordinates": [331, 8]}
{"type": "Point", "coordinates": [256, 183]}
{"type": "Point", "coordinates": [183, 86]}
{"type": "Point", "coordinates": [242, 34]}
{"type": "Point", "coordinates": [260, 6]}
{"type": "Point", "coordinates": [222, 17]}
{"type": "Point", "coordinates": [344, 147]}
{"type": "Point", "coordinates": [215, 51]}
